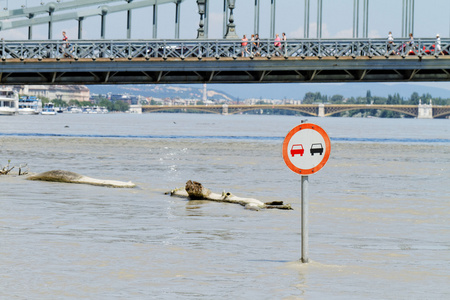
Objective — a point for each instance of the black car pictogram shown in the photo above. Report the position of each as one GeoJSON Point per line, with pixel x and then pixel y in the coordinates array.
{"type": "Point", "coordinates": [316, 148]}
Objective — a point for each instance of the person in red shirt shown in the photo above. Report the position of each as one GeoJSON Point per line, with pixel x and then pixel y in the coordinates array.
{"type": "Point", "coordinates": [65, 46]}
{"type": "Point", "coordinates": [244, 43]}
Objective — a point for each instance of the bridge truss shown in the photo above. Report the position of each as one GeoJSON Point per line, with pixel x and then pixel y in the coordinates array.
{"type": "Point", "coordinates": [221, 61]}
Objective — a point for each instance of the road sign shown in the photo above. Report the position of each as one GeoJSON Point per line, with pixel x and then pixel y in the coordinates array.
{"type": "Point", "coordinates": [306, 149]}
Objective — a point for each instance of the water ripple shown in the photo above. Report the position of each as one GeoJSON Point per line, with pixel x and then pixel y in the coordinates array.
{"type": "Point", "coordinates": [225, 137]}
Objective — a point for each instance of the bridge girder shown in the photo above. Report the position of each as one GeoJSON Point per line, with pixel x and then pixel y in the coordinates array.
{"type": "Point", "coordinates": [310, 109]}
{"type": "Point", "coordinates": [190, 70]}
{"type": "Point", "coordinates": [441, 111]}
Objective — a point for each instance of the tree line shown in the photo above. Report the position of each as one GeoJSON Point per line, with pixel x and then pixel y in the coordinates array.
{"type": "Point", "coordinates": [396, 99]}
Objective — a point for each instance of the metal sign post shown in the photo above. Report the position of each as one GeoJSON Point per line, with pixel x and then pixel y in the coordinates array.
{"type": "Point", "coordinates": [306, 150]}
{"type": "Point", "coordinates": [305, 192]}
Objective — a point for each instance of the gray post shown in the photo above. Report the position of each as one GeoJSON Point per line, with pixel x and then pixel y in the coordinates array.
{"type": "Point", "coordinates": [355, 18]}
{"type": "Point", "coordinates": [225, 17]}
{"type": "Point", "coordinates": [50, 29]}
{"type": "Point", "coordinates": [103, 26]}
{"type": "Point", "coordinates": [129, 24]}
{"type": "Point", "coordinates": [319, 19]}
{"type": "Point", "coordinates": [80, 28]}
{"type": "Point", "coordinates": [51, 9]}
{"type": "Point", "coordinates": [256, 21]}
{"type": "Point", "coordinates": [201, 25]}
{"type": "Point", "coordinates": [272, 18]}
{"type": "Point", "coordinates": [30, 28]}
{"type": "Point", "coordinates": [177, 19]}
{"type": "Point", "coordinates": [306, 21]}
{"type": "Point", "coordinates": [412, 17]}
{"type": "Point", "coordinates": [231, 27]}
{"type": "Point", "coordinates": [155, 20]}
{"type": "Point", "coordinates": [206, 18]}
{"type": "Point", "coordinates": [403, 18]}
{"type": "Point", "coordinates": [305, 199]}
{"type": "Point", "coordinates": [366, 18]}
{"type": "Point", "coordinates": [406, 18]}
{"type": "Point", "coordinates": [129, 21]}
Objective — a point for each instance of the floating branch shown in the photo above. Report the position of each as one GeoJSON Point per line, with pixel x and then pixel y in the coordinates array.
{"type": "Point", "coordinates": [196, 191]}
{"type": "Point", "coordinates": [71, 177]}
{"type": "Point", "coordinates": [25, 172]}
{"type": "Point", "coordinates": [6, 169]}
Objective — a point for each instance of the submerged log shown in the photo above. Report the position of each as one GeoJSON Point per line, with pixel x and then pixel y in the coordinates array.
{"type": "Point", "coordinates": [71, 177]}
{"type": "Point", "coordinates": [195, 190]}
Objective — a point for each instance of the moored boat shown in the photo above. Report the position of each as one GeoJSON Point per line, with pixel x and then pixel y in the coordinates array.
{"type": "Point", "coordinates": [48, 109]}
{"type": "Point", "coordinates": [30, 105]}
{"type": "Point", "coordinates": [9, 102]}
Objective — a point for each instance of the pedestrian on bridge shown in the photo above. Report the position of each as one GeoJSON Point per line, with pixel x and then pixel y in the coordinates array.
{"type": "Point", "coordinates": [391, 44]}
{"type": "Point", "coordinates": [66, 45]}
{"type": "Point", "coordinates": [244, 43]}
{"type": "Point", "coordinates": [437, 48]}
{"type": "Point", "coordinates": [284, 38]}
{"type": "Point", "coordinates": [256, 45]}
{"type": "Point", "coordinates": [277, 44]}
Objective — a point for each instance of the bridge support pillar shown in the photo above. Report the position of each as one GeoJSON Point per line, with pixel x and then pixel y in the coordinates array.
{"type": "Point", "coordinates": [425, 111]}
{"type": "Point", "coordinates": [224, 109]}
{"type": "Point", "coordinates": [321, 110]}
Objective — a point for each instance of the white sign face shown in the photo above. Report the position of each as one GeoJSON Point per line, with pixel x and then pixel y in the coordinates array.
{"type": "Point", "coordinates": [306, 149]}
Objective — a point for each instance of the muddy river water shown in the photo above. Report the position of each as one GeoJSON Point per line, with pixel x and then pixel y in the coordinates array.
{"type": "Point", "coordinates": [379, 210]}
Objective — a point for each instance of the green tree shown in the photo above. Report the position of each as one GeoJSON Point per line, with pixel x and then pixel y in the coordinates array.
{"type": "Point", "coordinates": [59, 103]}
{"type": "Point", "coordinates": [414, 100]}
{"type": "Point", "coordinates": [369, 97]}
{"type": "Point", "coordinates": [337, 99]}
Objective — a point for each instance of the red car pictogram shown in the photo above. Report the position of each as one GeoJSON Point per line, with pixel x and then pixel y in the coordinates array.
{"type": "Point", "coordinates": [297, 149]}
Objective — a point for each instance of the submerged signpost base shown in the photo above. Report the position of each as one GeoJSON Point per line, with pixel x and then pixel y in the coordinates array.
{"type": "Point", "coordinates": [305, 199]}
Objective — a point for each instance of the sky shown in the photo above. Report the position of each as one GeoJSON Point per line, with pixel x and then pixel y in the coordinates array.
{"type": "Point", "coordinates": [431, 17]}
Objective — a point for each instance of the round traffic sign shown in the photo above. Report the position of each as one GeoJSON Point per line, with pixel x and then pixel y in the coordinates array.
{"type": "Point", "coordinates": [306, 149]}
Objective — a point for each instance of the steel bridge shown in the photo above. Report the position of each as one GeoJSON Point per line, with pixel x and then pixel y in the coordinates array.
{"type": "Point", "coordinates": [203, 60]}
{"type": "Point", "coordinates": [221, 61]}
{"type": "Point", "coordinates": [421, 111]}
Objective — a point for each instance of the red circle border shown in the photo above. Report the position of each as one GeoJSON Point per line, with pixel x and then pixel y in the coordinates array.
{"type": "Point", "coordinates": [325, 157]}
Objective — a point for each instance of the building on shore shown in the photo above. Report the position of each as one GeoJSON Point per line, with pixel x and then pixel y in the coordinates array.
{"type": "Point", "coordinates": [62, 92]}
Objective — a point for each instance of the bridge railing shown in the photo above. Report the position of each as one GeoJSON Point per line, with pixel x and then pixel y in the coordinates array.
{"type": "Point", "coordinates": [218, 49]}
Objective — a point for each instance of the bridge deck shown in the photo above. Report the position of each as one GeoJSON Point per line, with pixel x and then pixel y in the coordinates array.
{"type": "Point", "coordinates": [226, 70]}
{"type": "Point", "coordinates": [122, 62]}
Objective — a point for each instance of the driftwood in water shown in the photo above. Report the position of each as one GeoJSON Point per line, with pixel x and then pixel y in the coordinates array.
{"type": "Point", "coordinates": [71, 177]}
{"type": "Point", "coordinates": [7, 169]}
{"type": "Point", "coordinates": [195, 190]}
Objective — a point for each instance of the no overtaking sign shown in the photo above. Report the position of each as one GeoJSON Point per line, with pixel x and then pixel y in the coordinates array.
{"type": "Point", "coordinates": [306, 149]}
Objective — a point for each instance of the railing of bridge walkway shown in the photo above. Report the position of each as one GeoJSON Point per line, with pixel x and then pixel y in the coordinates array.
{"type": "Point", "coordinates": [149, 49]}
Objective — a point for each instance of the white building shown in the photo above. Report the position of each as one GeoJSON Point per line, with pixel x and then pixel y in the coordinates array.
{"type": "Point", "coordinates": [63, 92]}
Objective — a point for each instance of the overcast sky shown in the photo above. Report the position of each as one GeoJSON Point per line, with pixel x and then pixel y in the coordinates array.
{"type": "Point", "coordinates": [431, 17]}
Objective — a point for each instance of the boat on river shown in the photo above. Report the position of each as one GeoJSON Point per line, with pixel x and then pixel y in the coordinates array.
{"type": "Point", "coordinates": [49, 109]}
{"type": "Point", "coordinates": [9, 102]}
{"type": "Point", "coordinates": [30, 105]}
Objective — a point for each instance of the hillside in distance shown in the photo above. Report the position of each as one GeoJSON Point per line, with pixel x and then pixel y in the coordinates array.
{"type": "Point", "coordinates": [163, 91]}
{"type": "Point", "coordinates": [296, 91]}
